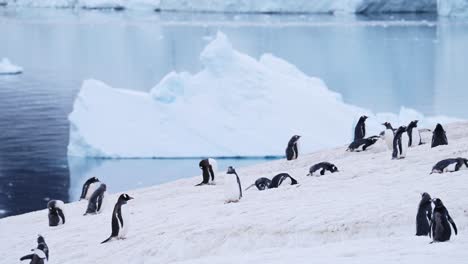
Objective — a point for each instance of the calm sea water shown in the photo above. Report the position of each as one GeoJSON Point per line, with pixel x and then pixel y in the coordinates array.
{"type": "Point", "coordinates": [381, 63]}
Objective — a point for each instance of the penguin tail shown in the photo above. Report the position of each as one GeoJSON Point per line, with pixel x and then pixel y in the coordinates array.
{"type": "Point", "coordinates": [107, 240]}
{"type": "Point", "coordinates": [250, 187]}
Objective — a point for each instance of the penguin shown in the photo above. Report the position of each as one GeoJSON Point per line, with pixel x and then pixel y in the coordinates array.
{"type": "Point", "coordinates": [414, 137]}
{"type": "Point", "coordinates": [56, 214]}
{"type": "Point", "coordinates": [440, 227]}
{"type": "Point", "coordinates": [89, 187]}
{"type": "Point", "coordinates": [96, 200]}
{"type": "Point", "coordinates": [400, 143]}
{"type": "Point", "coordinates": [280, 178]}
{"type": "Point", "coordinates": [261, 184]}
{"type": "Point", "coordinates": [388, 134]}
{"type": "Point", "coordinates": [439, 136]}
{"type": "Point", "coordinates": [292, 150]}
{"type": "Point", "coordinates": [360, 129]}
{"type": "Point", "coordinates": [40, 254]}
{"type": "Point", "coordinates": [232, 186]}
{"type": "Point", "coordinates": [323, 167]}
{"type": "Point", "coordinates": [362, 144]}
{"type": "Point", "coordinates": [423, 217]}
{"type": "Point", "coordinates": [208, 167]}
{"type": "Point", "coordinates": [447, 164]}
{"type": "Point", "coordinates": [120, 218]}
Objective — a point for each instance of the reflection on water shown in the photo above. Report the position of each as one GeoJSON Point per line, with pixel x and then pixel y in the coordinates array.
{"type": "Point", "coordinates": [378, 62]}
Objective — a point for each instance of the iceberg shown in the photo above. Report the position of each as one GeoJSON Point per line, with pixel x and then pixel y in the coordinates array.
{"type": "Point", "coordinates": [235, 106]}
{"type": "Point", "coordinates": [8, 68]}
{"type": "Point", "coordinates": [456, 8]}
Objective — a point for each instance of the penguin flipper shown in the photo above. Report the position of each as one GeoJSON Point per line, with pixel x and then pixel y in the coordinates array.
{"type": "Point", "coordinates": [250, 187]}
{"type": "Point", "coordinates": [107, 240]}
{"type": "Point", "coordinates": [30, 256]}
{"type": "Point", "coordinates": [453, 224]}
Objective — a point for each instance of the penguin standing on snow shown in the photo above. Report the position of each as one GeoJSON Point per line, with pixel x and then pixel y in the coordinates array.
{"type": "Point", "coordinates": [389, 134]}
{"type": "Point", "coordinates": [360, 129]}
{"type": "Point", "coordinates": [423, 217]}
{"type": "Point", "coordinates": [450, 165]}
{"type": "Point", "coordinates": [400, 143]}
{"type": "Point", "coordinates": [56, 215]}
{"type": "Point", "coordinates": [413, 134]}
{"type": "Point", "coordinates": [40, 254]}
{"type": "Point", "coordinates": [208, 167]}
{"type": "Point", "coordinates": [362, 144]}
{"type": "Point", "coordinates": [261, 184]}
{"type": "Point", "coordinates": [280, 178]}
{"type": "Point", "coordinates": [439, 136]}
{"type": "Point", "coordinates": [89, 187]}
{"type": "Point", "coordinates": [232, 186]}
{"type": "Point", "coordinates": [323, 167]}
{"type": "Point", "coordinates": [441, 230]}
{"type": "Point", "coordinates": [96, 201]}
{"type": "Point", "coordinates": [292, 150]}
{"type": "Point", "coordinates": [120, 218]}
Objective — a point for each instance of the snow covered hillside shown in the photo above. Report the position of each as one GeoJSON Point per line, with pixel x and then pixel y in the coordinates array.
{"type": "Point", "coordinates": [235, 106]}
{"type": "Point", "coordinates": [363, 214]}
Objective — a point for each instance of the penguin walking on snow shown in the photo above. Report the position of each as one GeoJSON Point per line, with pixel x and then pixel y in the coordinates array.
{"type": "Point", "coordinates": [56, 214]}
{"type": "Point", "coordinates": [450, 165]}
{"type": "Point", "coordinates": [232, 186]}
{"type": "Point", "coordinates": [400, 143]}
{"type": "Point", "coordinates": [389, 134]}
{"type": "Point", "coordinates": [414, 136]}
{"type": "Point", "coordinates": [441, 230]}
{"type": "Point", "coordinates": [89, 187]}
{"type": "Point", "coordinates": [96, 201]}
{"type": "Point", "coordinates": [362, 144]}
{"type": "Point", "coordinates": [439, 136]}
{"type": "Point", "coordinates": [208, 167]}
{"type": "Point", "coordinates": [292, 150]}
{"type": "Point", "coordinates": [40, 254]}
{"type": "Point", "coordinates": [423, 217]}
{"type": "Point", "coordinates": [280, 178]}
{"type": "Point", "coordinates": [323, 167]}
{"type": "Point", "coordinates": [360, 129]}
{"type": "Point", "coordinates": [120, 218]}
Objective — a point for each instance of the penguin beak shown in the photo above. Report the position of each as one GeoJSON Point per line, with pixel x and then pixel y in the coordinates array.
{"type": "Point", "coordinates": [308, 174]}
{"type": "Point", "coordinates": [130, 198]}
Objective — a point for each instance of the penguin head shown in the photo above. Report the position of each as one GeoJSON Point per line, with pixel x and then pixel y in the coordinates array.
{"type": "Point", "coordinates": [438, 128]}
{"type": "Point", "coordinates": [413, 123]}
{"type": "Point", "coordinates": [387, 125]}
{"type": "Point", "coordinates": [363, 118]}
{"type": "Point", "coordinates": [124, 198]}
{"type": "Point", "coordinates": [295, 138]}
{"type": "Point", "coordinates": [231, 170]}
{"type": "Point", "coordinates": [437, 202]}
{"type": "Point", "coordinates": [425, 196]}
{"type": "Point", "coordinates": [202, 164]}
{"type": "Point", "coordinates": [333, 168]}
{"type": "Point", "coordinates": [40, 239]}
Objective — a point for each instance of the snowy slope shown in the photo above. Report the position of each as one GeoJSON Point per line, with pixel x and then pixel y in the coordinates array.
{"type": "Point", "coordinates": [363, 214]}
{"type": "Point", "coordinates": [7, 68]}
{"type": "Point", "coordinates": [235, 106]}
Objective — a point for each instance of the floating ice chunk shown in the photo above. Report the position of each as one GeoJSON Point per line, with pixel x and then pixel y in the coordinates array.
{"type": "Point", "coordinates": [6, 67]}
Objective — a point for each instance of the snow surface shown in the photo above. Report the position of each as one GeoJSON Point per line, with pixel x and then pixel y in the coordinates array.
{"type": "Point", "coordinates": [7, 68]}
{"type": "Point", "coordinates": [363, 214]}
{"type": "Point", "coordinates": [235, 106]}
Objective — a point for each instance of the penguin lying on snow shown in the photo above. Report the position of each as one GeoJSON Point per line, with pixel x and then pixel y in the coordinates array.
{"type": "Point", "coordinates": [441, 230]}
{"type": "Point", "coordinates": [400, 143]}
{"type": "Point", "coordinates": [208, 167]}
{"type": "Point", "coordinates": [265, 183]}
{"type": "Point", "coordinates": [292, 150]}
{"type": "Point", "coordinates": [423, 217]}
{"type": "Point", "coordinates": [323, 167]}
{"type": "Point", "coordinates": [40, 254]}
{"type": "Point", "coordinates": [95, 204]}
{"type": "Point", "coordinates": [89, 187]}
{"type": "Point", "coordinates": [362, 144]}
{"type": "Point", "coordinates": [56, 215]}
{"type": "Point", "coordinates": [439, 136]}
{"type": "Point", "coordinates": [360, 129]}
{"type": "Point", "coordinates": [232, 186]}
{"type": "Point", "coordinates": [261, 184]}
{"type": "Point", "coordinates": [120, 218]}
{"type": "Point", "coordinates": [444, 165]}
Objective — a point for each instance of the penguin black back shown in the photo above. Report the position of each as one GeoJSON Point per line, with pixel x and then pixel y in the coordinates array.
{"type": "Point", "coordinates": [423, 217]}
{"type": "Point", "coordinates": [322, 166]}
{"type": "Point", "coordinates": [442, 166]}
{"type": "Point", "coordinates": [119, 223]}
{"type": "Point", "coordinates": [40, 253]}
{"type": "Point", "coordinates": [207, 171]}
{"type": "Point", "coordinates": [96, 200]}
{"type": "Point", "coordinates": [360, 129]}
{"type": "Point", "coordinates": [440, 227]}
{"type": "Point", "coordinates": [362, 144]}
{"type": "Point", "coordinates": [56, 215]}
{"type": "Point", "coordinates": [261, 184]}
{"type": "Point", "coordinates": [397, 142]}
{"type": "Point", "coordinates": [439, 136]}
{"type": "Point", "coordinates": [278, 179]}
{"type": "Point", "coordinates": [292, 150]}
{"type": "Point", "coordinates": [86, 186]}
{"type": "Point", "coordinates": [409, 129]}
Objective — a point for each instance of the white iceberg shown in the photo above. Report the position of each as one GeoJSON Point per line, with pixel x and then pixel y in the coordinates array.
{"type": "Point", "coordinates": [8, 68]}
{"type": "Point", "coordinates": [235, 106]}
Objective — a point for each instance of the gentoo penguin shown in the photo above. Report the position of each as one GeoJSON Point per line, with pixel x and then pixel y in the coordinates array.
{"type": "Point", "coordinates": [438, 136]}
{"type": "Point", "coordinates": [280, 178]}
{"type": "Point", "coordinates": [120, 218]}
{"type": "Point", "coordinates": [400, 143]}
{"type": "Point", "coordinates": [414, 138]}
{"type": "Point", "coordinates": [362, 144]}
{"type": "Point", "coordinates": [441, 230]}
{"type": "Point", "coordinates": [56, 214]}
{"type": "Point", "coordinates": [423, 217]}
{"type": "Point", "coordinates": [208, 167]}
{"type": "Point", "coordinates": [323, 167]}
{"type": "Point", "coordinates": [89, 187]}
{"type": "Point", "coordinates": [40, 254]}
{"type": "Point", "coordinates": [261, 184]}
{"type": "Point", "coordinates": [232, 186]}
{"type": "Point", "coordinates": [292, 150]}
{"type": "Point", "coordinates": [96, 200]}
{"type": "Point", "coordinates": [389, 133]}
{"type": "Point", "coordinates": [450, 165]}
{"type": "Point", "coordinates": [360, 129]}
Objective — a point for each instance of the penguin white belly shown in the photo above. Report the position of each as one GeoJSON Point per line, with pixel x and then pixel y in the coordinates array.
{"type": "Point", "coordinates": [231, 188]}
{"type": "Point", "coordinates": [415, 137]}
{"type": "Point", "coordinates": [389, 138]}
{"type": "Point", "coordinates": [126, 221]}
{"type": "Point", "coordinates": [404, 144]}
{"type": "Point", "coordinates": [450, 167]}
{"type": "Point", "coordinates": [92, 187]}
